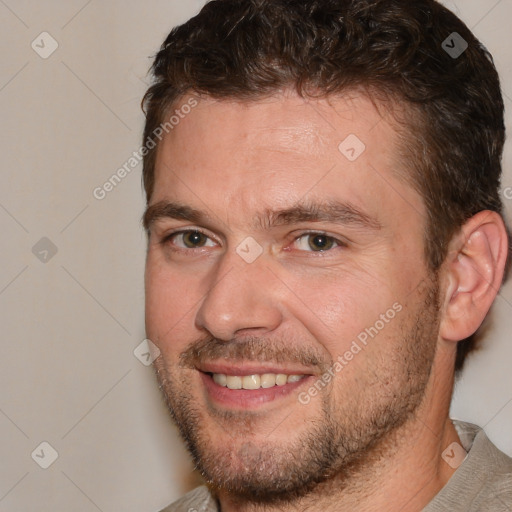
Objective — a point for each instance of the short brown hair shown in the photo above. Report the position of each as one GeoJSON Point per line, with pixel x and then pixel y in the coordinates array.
{"type": "Point", "coordinates": [249, 49]}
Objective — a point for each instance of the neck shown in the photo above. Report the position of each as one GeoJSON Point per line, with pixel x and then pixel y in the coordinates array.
{"type": "Point", "coordinates": [404, 472]}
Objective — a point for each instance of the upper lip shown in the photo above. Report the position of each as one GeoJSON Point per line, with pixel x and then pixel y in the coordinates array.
{"type": "Point", "coordinates": [250, 368]}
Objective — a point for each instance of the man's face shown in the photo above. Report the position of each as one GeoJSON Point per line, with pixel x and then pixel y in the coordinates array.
{"type": "Point", "coordinates": [289, 253]}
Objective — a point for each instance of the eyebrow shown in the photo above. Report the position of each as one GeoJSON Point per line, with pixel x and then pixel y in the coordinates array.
{"type": "Point", "coordinates": [326, 211]}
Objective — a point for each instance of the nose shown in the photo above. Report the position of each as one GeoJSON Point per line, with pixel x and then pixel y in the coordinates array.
{"type": "Point", "coordinates": [240, 297]}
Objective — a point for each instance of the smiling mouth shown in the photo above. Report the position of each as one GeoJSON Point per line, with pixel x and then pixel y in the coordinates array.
{"type": "Point", "coordinates": [255, 381]}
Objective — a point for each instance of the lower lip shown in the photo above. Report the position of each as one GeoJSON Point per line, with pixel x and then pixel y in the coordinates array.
{"type": "Point", "coordinates": [248, 398]}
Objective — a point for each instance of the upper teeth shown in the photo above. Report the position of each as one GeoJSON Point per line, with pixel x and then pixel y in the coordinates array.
{"type": "Point", "coordinates": [266, 380]}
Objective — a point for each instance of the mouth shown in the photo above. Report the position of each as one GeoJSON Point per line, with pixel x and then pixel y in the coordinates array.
{"type": "Point", "coordinates": [249, 387]}
{"type": "Point", "coordinates": [254, 381]}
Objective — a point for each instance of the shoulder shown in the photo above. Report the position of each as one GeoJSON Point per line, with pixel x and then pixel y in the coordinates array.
{"type": "Point", "coordinates": [198, 500]}
{"type": "Point", "coordinates": [483, 482]}
{"type": "Point", "coordinates": [483, 452]}
{"type": "Point", "coordinates": [496, 474]}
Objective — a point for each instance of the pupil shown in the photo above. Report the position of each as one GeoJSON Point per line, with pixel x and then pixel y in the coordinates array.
{"type": "Point", "coordinates": [320, 242]}
{"type": "Point", "coordinates": [193, 239]}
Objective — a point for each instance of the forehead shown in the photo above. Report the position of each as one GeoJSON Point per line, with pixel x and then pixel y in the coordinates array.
{"type": "Point", "coordinates": [237, 157]}
{"type": "Point", "coordinates": [294, 125]}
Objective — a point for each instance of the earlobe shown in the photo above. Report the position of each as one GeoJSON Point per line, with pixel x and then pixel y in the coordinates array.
{"type": "Point", "coordinates": [474, 273]}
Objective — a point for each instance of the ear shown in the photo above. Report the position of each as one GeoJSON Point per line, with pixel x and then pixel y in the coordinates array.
{"type": "Point", "coordinates": [473, 274]}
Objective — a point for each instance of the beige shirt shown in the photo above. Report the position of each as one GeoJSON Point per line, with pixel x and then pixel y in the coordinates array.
{"type": "Point", "coordinates": [482, 483]}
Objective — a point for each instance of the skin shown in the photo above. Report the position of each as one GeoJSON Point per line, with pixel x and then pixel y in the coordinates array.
{"type": "Point", "coordinates": [297, 309]}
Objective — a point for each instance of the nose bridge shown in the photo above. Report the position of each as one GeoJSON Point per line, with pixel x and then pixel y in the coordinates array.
{"type": "Point", "coordinates": [241, 296]}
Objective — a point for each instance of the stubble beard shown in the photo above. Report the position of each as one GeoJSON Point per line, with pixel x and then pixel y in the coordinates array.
{"type": "Point", "coordinates": [336, 446]}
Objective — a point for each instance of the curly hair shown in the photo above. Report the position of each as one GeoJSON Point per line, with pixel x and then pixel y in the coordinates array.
{"type": "Point", "coordinates": [399, 49]}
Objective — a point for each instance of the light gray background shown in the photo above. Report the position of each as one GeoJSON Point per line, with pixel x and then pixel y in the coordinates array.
{"type": "Point", "coordinates": [68, 373]}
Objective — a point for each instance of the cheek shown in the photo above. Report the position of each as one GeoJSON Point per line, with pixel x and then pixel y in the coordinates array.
{"type": "Point", "coordinates": [169, 304]}
{"type": "Point", "coordinates": [336, 306]}
{"type": "Point", "coordinates": [324, 308]}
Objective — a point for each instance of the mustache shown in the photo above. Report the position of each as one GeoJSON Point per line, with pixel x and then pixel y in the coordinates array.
{"type": "Point", "coordinates": [255, 349]}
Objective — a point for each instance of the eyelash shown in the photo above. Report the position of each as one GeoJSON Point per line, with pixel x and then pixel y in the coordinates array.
{"type": "Point", "coordinates": [167, 239]}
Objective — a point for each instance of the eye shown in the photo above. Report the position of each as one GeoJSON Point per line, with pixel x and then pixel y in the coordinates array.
{"type": "Point", "coordinates": [316, 242]}
{"type": "Point", "coordinates": [189, 239]}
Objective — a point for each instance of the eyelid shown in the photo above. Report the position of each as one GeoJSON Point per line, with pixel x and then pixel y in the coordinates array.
{"type": "Point", "coordinates": [339, 242]}
{"type": "Point", "coordinates": [165, 239]}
